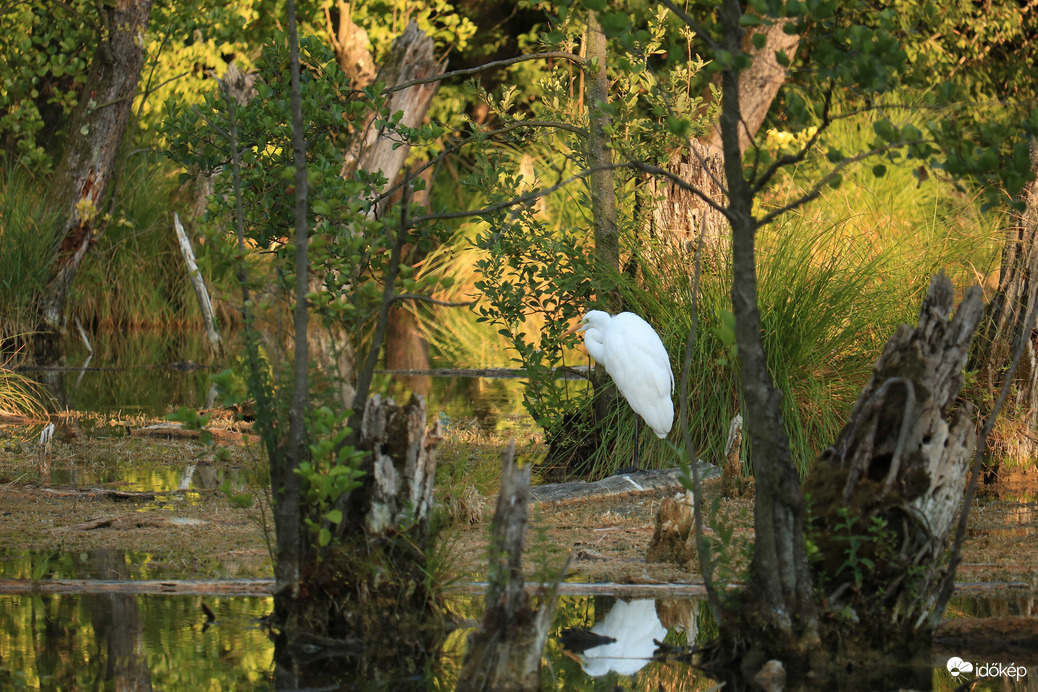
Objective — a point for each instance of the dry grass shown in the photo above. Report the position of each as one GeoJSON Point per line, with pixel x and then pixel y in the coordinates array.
{"type": "Point", "coordinates": [21, 396]}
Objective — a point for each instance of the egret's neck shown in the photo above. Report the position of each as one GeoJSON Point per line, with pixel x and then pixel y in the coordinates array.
{"type": "Point", "coordinates": [593, 343]}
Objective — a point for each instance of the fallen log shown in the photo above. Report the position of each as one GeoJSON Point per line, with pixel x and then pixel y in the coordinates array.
{"type": "Point", "coordinates": [655, 481]}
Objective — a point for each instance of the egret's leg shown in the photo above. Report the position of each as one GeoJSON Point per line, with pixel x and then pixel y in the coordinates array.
{"type": "Point", "coordinates": [637, 425]}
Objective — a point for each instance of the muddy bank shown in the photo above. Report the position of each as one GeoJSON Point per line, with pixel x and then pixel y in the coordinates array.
{"type": "Point", "coordinates": [160, 502]}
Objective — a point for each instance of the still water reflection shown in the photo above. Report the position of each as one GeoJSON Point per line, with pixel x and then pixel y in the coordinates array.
{"type": "Point", "coordinates": [127, 641]}
{"type": "Point", "coordinates": [132, 642]}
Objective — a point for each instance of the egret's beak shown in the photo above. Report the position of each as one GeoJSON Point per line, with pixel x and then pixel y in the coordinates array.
{"type": "Point", "coordinates": [580, 326]}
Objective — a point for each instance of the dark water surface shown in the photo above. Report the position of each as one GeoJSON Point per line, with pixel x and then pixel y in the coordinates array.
{"type": "Point", "coordinates": [127, 641]}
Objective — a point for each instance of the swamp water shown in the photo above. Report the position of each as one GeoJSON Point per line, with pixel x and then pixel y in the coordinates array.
{"type": "Point", "coordinates": [88, 641]}
{"type": "Point", "coordinates": [165, 642]}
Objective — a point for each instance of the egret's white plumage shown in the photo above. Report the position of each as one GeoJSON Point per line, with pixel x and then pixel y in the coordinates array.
{"type": "Point", "coordinates": [632, 353]}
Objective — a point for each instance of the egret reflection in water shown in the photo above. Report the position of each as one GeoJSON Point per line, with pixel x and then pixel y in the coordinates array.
{"type": "Point", "coordinates": [635, 627]}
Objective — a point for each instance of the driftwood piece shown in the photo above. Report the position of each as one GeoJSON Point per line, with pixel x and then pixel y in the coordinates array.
{"type": "Point", "coordinates": [505, 652]}
{"type": "Point", "coordinates": [893, 481]}
{"type": "Point", "coordinates": [657, 481]}
{"type": "Point", "coordinates": [397, 491]}
{"type": "Point", "coordinates": [198, 283]}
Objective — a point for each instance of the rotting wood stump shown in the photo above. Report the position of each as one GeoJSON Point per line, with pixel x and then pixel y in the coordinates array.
{"type": "Point", "coordinates": [397, 490]}
{"type": "Point", "coordinates": [367, 597]}
{"type": "Point", "coordinates": [885, 496]}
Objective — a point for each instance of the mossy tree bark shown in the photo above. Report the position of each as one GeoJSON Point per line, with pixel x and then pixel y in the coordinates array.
{"type": "Point", "coordinates": [83, 178]}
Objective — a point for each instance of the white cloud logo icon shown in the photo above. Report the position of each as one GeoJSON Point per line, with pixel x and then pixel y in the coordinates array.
{"type": "Point", "coordinates": [956, 666]}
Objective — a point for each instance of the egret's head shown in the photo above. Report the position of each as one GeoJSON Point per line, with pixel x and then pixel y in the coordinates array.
{"type": "Point", "coordinates": [594, 319]}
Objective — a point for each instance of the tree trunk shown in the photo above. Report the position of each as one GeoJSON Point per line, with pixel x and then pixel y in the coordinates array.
{"type": "Point", "coordinates": [678, 214]}
{"type": "Point", "coordinates": [341, 607]}
{"type": "Point", "coordinates": [406, 349]}
{"type": "Point", "coordinates": [505, 652]}
{"type": "Point", "coordinates": [350, 43]}
{"type": "Point", "coordinates": [1017, 294]}
{"type": "Point", "coordinates": [759, 84]}
{"type": "Point", "coordinates": [410, 58]}
{"type": "Point", "coordinates": [87, 167]}
{"type": "Point", "coordinates": [886, 495]}
{"type": "Point", "coordinates": [781, 578]}
{"type": "Point", "coordinates": [603, 201]}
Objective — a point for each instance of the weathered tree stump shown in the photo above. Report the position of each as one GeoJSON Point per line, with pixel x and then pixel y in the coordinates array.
{"type": "Point", "coordinates": [885, 496]}
{"type": "Point", "coordinates": [366, 596]}
{"type": "Point", "coordinates": [505, 652]}
{"type": "Point", "coordinates": [397, 490]}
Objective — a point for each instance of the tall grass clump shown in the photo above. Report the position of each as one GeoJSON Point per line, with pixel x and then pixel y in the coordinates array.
{"type": "Point", "coordinates": [134, 275]}
{"type": "Point", "coordinates": [824, 318]}
{"type": "Point", "coordinates": [28, 222]}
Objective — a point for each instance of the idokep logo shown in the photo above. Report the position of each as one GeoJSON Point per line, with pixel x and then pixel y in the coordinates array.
{"type": "Point", "coordinates": [957, 667]}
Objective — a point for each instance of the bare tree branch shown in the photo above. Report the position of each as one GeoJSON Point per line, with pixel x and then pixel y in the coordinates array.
{"type": "Point", "coordinates": [434, 301]}
{"type": "Point", "coordinates": [692, 24]}
{"type": "Point", "coordinates": [487, 66]}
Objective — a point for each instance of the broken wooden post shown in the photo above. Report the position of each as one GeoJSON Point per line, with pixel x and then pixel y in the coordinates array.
{"type": "Point", "coordinates": [504, 654]}
{"type": "Point", "coordinates": [886, 494]}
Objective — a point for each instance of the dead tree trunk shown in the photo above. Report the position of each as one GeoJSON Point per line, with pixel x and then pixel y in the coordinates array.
{"type": "Point", "coordinates": [679, 215]}
{"type": "Point", "coordinates": [505, 652]}
{"type": "Point", "coordinates": [84, 176]}
{"type": "Point", "coordinates": [411, 58]}
{"type": "Point", "coordinates": [887, 493]}
{"type": "Point", "coordinates": [1016, 296]}
{"type": "Point", "coordinates": [376, 149]}
{"type": "Point", "coordinates": [759, 84]}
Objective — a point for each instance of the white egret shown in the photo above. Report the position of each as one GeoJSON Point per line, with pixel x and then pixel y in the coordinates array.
{"type": "Point", "coordinates": [634, 356]}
